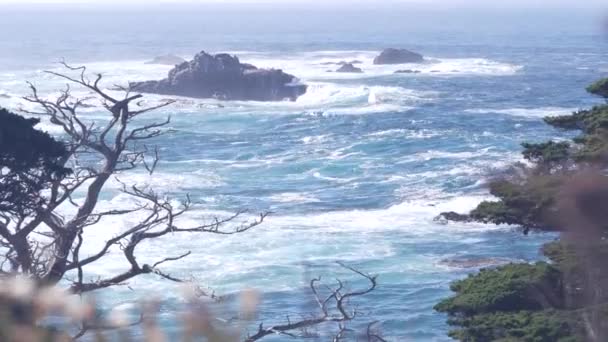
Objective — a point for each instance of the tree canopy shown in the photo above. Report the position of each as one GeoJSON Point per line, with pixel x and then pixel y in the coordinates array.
{"type": "Point", "coordinates": [29, 160]}
{"type": "Point", "coordinates": [599, 88]}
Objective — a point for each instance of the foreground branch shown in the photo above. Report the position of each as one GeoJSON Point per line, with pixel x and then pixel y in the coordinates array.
{"type": "Point", "coordinates": [332, 309]}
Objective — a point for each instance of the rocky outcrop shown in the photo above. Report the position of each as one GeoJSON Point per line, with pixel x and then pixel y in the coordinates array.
{"type": "Point", "coordinates": [167, 60]}
{"type": "Point", "coordinates": [349, 68]}
{"type": "Point", "coordinates": [446, 217]}
{"type": "Point", "coordinates": [398, 56]}
{"type": "Point", "coordinates": [224, 77]}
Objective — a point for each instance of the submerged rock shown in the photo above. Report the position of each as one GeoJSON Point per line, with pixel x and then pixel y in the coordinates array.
{"type": "Point", "coordinates": [167, 60]}
{"type": "Point", "coordinates": [398, 56]}
{"type": "Point", "coordinates": [349, 68]}
{"type": "Point", "coordinates": [224, 77]}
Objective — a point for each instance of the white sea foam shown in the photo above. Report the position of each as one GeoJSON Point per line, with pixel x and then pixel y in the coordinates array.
{"type": "Point", "coordinates": [406, 133]}
{"type": "Point", "coordinates": [317, 139]}
{"type": "Point", "coordinates": [525, 112]}
{"type": "Point", "coordinates": [316, 65]}
{"type": "Point", "coordinates": [163, 181]}
{"type": "Point", "coordinates": [326, 95]}
{"type": "Point", "coordinates": [293, 197]}
{"type": "Point", "coordinates": [322, 98]}
{"type": "Point", "coordinates": [321, 238]}
{"type": "Point", "coordinates": [322, 93]}
{"type": "Point", "coordinates": [433, 154]}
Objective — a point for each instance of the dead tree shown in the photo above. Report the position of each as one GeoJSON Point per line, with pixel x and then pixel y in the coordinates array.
{"type": "Point", "coordinates": [332, 308]}
{"type": "Point", "coordinates": [46, 246]}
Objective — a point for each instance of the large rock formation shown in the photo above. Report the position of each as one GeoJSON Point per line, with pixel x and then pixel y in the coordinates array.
{"type": "Point", "coordinates": [167, 60]}
{"type": "Point", "coordinates": [223, 76]}
{"type": "Point", "coordinates": [349, 68]}
{"type": "Point", "coordinates": [398, 56]}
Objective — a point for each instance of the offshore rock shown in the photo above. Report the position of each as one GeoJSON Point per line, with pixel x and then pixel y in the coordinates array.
{"type": "Point", "coordinates": [224, 77]}
{"type": "Point", "coordinates": [398, 56]}
{"type": "Point", "coordinates": [349, 68]}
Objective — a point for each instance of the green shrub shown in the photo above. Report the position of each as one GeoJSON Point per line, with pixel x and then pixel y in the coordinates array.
{"type": "Point", "coordinates": [599, 88]}
{"type": "Point", "coordinates": [522, 326]}
{"type": "Point", "coordinates": [511, 287]}
{"type": "Point", "coordinates": [527, 203]}
{"type": "Point", "coordinates": [586, 120]}
{"type": "Point", "coordinates": [547, 152]}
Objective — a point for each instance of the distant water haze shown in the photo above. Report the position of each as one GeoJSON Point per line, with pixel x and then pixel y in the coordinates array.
{"type": "Point", "coordinates": [420, 3]}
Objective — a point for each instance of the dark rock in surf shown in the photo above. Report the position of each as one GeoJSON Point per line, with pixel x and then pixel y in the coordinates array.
{"type": "Point", "coordinates": [398, 56]}
{"type": "Point", "coordinates": [224, 77]}
{"type": "Point", "coordinates": [452, 216]}
{"type": "Point", "coordinates": [167, 60]}
{"type": "Point", "coordinates": [408, 71]}
{"type": "Point", "coordinates": [349, 68]}
{"type": "Point", "coordinates": [356, 61]}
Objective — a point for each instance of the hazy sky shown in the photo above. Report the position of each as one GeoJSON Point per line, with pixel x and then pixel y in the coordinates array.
{"type": "Point", "coordinates": [312, 3]}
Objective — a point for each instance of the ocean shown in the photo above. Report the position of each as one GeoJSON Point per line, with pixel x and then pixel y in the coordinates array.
{"type": "Point", "coordinates": [354, 171]}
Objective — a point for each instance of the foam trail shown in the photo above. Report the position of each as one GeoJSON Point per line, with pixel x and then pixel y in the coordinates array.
{"type": "Point", "coordinates": [526, 112]}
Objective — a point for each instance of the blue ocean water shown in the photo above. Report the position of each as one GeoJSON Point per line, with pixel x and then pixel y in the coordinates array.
{"type": "Point", "coordinates": [356, 169]}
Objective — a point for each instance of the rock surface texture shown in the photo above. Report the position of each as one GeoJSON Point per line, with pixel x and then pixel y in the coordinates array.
{"type": "Point", "coordinates": [224, 77]}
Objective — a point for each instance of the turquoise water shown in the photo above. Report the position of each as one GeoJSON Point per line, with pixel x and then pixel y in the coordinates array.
{"type": "Point", "coordinates": [355, 170]}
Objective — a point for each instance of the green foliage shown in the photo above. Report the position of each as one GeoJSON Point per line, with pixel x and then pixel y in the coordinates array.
{"type": "Point", "coordinates": [588, 121]}
{"type": "Point", "coordinates": [496, 213]}
{"type": "Point", "coordinates": [529, 201]}
{"type": "Point", "coordinates": [599, 88]}
{"type": "Point", "coordinates": [517, 302]}
{"type": "Point", "coordinates": [545, 302]}
{"type": "Point", "coordinates": [29, 160]}
{"type": "Point", "coordinates": [526, 202]}
{"type": "Point", "coordinates": [593, 147]}
{"type": "Point", "coordinates": [511, 287]}
{"type": "Point", "coordinates": [522, 326]}
{"type": "Point", "coordinates": [547, 152]}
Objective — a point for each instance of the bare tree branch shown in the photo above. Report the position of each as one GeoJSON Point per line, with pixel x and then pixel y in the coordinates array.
{"type": "Point", "coordinates": [338, 315]}
{"type": "Point", "coordinates": [96, 153]}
